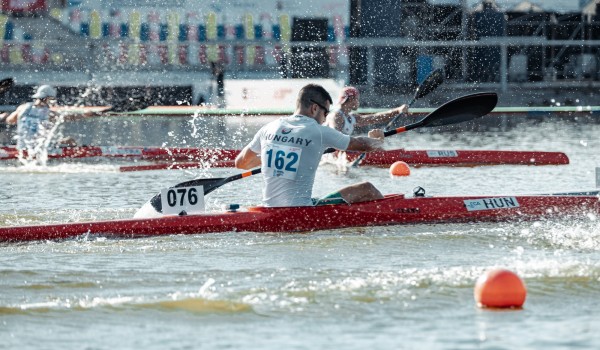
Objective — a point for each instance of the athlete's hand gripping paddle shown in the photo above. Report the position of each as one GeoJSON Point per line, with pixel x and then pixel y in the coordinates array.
{"type": "Point", "coordinates": [433, 80]}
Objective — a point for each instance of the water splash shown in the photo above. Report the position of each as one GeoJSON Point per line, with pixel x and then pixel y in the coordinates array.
{"type": "Point", "coordinates": [38, 150]}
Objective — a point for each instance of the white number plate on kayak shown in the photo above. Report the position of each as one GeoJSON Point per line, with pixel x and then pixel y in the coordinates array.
{"type": "Point", "coordinates": [442, 154]}
{"type": "Point", "coordinates": [182, 199]}
{"type": "Point", "coordinates": [491, 203]}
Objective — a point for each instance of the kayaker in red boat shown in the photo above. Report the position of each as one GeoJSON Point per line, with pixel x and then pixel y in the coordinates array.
{"type": "Point", "coordinates": [289, 151]}
{"type": "Point", "coordinates": [35, 120]}
{"type": "Point", "coordinates": [342, 119]}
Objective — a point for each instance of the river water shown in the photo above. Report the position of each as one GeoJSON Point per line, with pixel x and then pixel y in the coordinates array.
{"type": "Point", "coordinates": [401, 287]}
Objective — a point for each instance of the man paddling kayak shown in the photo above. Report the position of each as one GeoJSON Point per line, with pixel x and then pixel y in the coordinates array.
{"type": "Point", "coordinates": [35, 120]}
{"type": "Point", "coordinates": [290, 148]}
{"type": "Point", "coordinates": [342, 118]}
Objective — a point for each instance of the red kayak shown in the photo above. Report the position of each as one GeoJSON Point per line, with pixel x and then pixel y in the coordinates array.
{"type": "Point", "coordinates": [461, 157]}
{"type": "Point", "coordinates": [392, 210]}
{"type": "Point", "coordinates": [413, 157]}
{"type": "Point", "coordinates": [224, 157]}
{"type": "Point", "coordinates": [149, 153]}
{"type": "Point", "coordinates": [178, 166]}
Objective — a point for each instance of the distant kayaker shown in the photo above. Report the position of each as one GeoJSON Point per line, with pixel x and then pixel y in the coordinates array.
{"type": "Point", "coordinates": [342, 119]}
{"type": "Point", "coordinates": [289, 150]}
{"type": "Point", "coordinates": [35, 120]}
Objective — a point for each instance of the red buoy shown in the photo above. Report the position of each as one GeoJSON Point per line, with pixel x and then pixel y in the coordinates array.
{"type": "Point", "coordinates": [399, 168]}
{"type": "Point", "coordinates": [500, 288]}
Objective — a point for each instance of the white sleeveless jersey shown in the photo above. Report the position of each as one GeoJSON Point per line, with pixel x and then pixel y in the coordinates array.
{"type": "Point", "coordinates": [349, 122]}
{"type": "Point", "coordinates": [290, 149]}
{"type": "Point", "coordinates": [31, 125]}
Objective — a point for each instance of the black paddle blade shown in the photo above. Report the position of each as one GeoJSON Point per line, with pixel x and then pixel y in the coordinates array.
{"type": "Point", "coordinates": [6, 84]}
{"type": "Point", "coordinates": [209, 184]}
{"type": "Point", "coordinates": [460, 110]}
{"type": "Point", "coordinates": [433, 80]}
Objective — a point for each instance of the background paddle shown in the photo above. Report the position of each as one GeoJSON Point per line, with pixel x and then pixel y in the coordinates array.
{"type": "Point", "coordinates": [131, 101]}
{"type": "Point", "coordinates": [6, 84]}
{"type": "Point", "coordinates": [433, 80]}
{"type": "Point", "coordinates": [79, 112]}
{"type": "Point", "coordinates": [459, 110]}
{"type": "Point", "coordinates": [129, 104]}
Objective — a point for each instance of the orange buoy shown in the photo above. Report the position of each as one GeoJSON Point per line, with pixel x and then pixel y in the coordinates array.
{"type": "Point", "coordinates": [500, 288]}
{"type": "Point", "coordinates": [399, 168]}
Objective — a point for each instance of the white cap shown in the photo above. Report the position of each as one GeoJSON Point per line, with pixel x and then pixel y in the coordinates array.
{"type": "Point", "coordinates": [45, 91]}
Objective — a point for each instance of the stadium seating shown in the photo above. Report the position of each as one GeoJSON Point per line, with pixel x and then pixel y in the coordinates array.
{"type": "Point", "coordinates": [141, 37]}
{"type": "Point", "coordinates": [19, 47]}
{"type": "Point", "coordinates": [150, 37]}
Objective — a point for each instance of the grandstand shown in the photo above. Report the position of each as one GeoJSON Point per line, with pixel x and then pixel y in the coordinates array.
{"type": "Point", "coordinates": [147, 36]}
{"type": "Point", "coordinates": [386, 48]}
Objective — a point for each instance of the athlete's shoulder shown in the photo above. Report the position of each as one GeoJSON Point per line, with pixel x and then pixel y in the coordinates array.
{"type": "Point", "coordinates": [271, 124]}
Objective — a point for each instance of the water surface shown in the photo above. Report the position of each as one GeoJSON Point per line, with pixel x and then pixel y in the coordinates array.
{"type": "Point", "coordinates": [379, 287]}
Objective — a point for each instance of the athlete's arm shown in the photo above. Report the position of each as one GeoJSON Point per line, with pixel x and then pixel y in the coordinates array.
{"type": "Point", "coordinates": [367, 144]}
{"type": "Point", "coordinates": [14, 116]}
{"type": "Point", "coordinates": [381, 117]}
{"type": "Point", "coordinates": [11, 119]}
{"type": "Point", "coordinates": [247, 159]}
{"type": "Point", "coordinates": [71, 116]}
{"type": "Point", "coordinates": [335, 120]}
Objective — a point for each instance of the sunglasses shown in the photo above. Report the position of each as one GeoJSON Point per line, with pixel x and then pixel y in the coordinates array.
{"type": "Point", "coordinates": [320, 105]}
